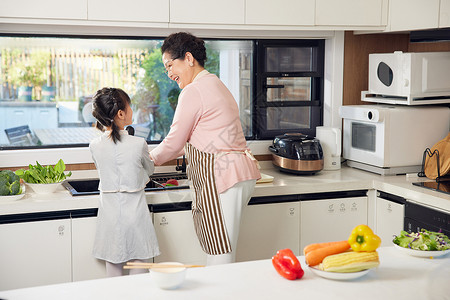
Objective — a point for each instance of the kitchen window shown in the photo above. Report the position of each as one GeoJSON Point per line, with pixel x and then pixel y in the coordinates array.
{"type": "Point", "coordinates": [48, 84]}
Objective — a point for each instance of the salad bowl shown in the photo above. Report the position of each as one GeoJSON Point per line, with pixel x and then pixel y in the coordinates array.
{"type": "Point", "coordinates": [422, 253]}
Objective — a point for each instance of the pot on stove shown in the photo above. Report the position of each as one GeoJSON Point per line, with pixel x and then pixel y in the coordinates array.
{"type": "Point", "coordinates": [297, 153]}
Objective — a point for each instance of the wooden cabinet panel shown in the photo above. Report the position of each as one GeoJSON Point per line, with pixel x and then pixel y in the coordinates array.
{"type": "Point", "coordinates": [281, 12]}
{"type": "Point", "coordinates": [131, 10]}
{"type": "Point", "coordinates": [207, 11]}
{"type": "Point", "coordinates": [351, 12]}
{"type": "Point", "coordinates": [413, 14]}
{"type": "Point", "coordinates": [45, 9]}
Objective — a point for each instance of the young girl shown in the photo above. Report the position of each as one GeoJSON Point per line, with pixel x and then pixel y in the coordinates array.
{"type": "Point", "coordinates": [124, 229]}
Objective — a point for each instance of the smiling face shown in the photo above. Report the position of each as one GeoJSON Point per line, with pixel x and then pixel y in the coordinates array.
{"type": "Point", "coordinates": [182, 70]}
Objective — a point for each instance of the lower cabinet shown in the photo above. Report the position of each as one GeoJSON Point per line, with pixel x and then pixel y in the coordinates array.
{"type": "Point", "coordinates": [269, 224]}
{"type": "Point", "coordinates": [176, 234]}
{"type": "Point", "coordinates": [35, 253]}
{"type": "Point", "coordinates": [389, 216]}
{"type": "Point", "coordinates": [84, 265]}
{"type": "Point", "coordinates": [328, 217]}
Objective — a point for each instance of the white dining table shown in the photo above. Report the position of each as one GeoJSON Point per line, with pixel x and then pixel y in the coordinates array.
{"type": "Point", "coordinates": [399, 276]}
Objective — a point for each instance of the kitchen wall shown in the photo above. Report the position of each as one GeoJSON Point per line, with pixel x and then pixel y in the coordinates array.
{"type": "Point", "coordinates": [356, 58]}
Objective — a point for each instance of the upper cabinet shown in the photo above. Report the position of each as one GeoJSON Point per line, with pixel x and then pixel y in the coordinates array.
{"type": "Point", "coordinates": [444, 14]}
{"type": "Point", "coordinates": [207, 11]}
{"type": "Point", "coordinates": [405, 15]}
{"type": "Point", "coordinates": [281, 12]}
{"type": "Point", "coordinates": [131, 10]}
{"type": "Point", "coordinates": [45, 9]}
{"type": "Point", "coordinates": [351, 13]}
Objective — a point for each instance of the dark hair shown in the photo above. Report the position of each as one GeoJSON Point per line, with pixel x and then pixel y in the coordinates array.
{"type": "Point", "coordinates": [177, 44]}
{"type": "Point", "coordinates": [106, 103]}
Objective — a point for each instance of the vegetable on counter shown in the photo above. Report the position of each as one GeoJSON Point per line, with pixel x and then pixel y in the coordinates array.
{"type": "Point", "coordinates": [171, 182]}
{"type": "Point", "coordinates": [362, 239]}
{"type": "Point", "coordinates": [424, 240]}
{"type": "Point", "coordinates": [321, 250]}
{"type": "Point", "coordinates": [350, 261]}
{"type": "Point", "coordinates": [44, 174]}
{"type": "Point", "coordinates": [9, 183]}
{"type": "Point", "coordinates": [287, 264]}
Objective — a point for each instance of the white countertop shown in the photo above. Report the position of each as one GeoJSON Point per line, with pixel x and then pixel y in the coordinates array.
{"type": "Point", "coordinates": [399, 276]}
{"type": "Point", "coordinates": [284, 184]}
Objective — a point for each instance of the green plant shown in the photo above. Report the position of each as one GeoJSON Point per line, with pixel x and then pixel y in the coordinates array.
{"type": "Point", "coordinates": [30, 71]}
{"type": "Point", "coordinates": [44, 174]}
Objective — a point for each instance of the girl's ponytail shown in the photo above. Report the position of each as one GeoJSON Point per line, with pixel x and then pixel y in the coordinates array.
{"type": "Point", "coordinates": [107, 102]}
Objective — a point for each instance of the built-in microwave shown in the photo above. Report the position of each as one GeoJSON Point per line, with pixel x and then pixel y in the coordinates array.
{"type": "Point", "coordinates": [391, 139]}
{"type": "Point", "coordinates": [409, 78]}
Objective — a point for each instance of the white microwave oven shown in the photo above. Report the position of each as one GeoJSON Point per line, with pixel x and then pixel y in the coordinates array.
{"type": "Point", "coordinates": [409, 78]}
{"type": "Point", "coordinates": [391, 139]}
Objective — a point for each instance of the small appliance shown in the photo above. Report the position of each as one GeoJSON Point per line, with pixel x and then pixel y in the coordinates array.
{"type": "Point", "coordinates": [409, 78]}
{"type": "Point", "coordinates": [330, 140]}
{"type": "Point", "coordinates": [391, 139]}
{"type": "Point", "coordinates": [297, 153]}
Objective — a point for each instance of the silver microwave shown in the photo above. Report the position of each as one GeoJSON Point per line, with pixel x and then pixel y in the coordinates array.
{"type": "Point", "coordinates": [409, 78]}
{"type": "Point", "coordinates": [391, 139]}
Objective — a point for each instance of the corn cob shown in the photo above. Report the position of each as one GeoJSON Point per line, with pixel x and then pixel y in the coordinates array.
{"type": "Point", "coordinates": [350, 261]}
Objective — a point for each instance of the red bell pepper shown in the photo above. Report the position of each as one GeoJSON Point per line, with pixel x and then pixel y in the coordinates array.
{"type": "Point", "coordinates": [287, 264]}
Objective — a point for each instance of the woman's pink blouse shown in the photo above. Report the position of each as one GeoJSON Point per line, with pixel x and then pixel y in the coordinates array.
{"type": "Point", "coordinates": [207, 116]}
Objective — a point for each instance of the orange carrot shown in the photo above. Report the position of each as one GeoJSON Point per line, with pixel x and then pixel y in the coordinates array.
{"type": "Point", "coordinates": [315, 246]}
{"type": "Point", "coordinates": [316, 256]}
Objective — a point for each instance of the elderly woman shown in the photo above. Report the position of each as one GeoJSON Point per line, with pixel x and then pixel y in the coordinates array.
{"type": "Point", "coordinates": [206, 127]}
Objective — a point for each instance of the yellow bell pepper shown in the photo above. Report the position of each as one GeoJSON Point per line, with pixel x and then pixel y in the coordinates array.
{"type": "Point", "coordinates": [362, 239]}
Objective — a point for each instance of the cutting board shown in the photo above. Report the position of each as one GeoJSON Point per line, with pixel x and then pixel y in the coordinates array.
{"type": "Point", "coordinates": [265, 178]}
{"type": "Point", "coordinates": [430, 167]}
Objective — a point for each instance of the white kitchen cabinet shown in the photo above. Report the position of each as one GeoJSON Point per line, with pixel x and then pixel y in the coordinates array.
{"type": "Point", "coordinates": [351, 13]}
{"type": "Point", "coordinates": [84, 265]}
{"type": "Point", "coordinates": [331, 218]}
{"type": "Point", "coordinates": [207, 11]}
{"type": "Point", "coordinates": [131, 10]}
{"type": "Point", "coordinates": [45, 9]}
{"type": "Point", "coordinates": [281, 12]}
{"type": "Point", "coordinates": [35, 253]}
{"type": "Point", "coordinates": [176, 235]}
{"type": "Point", "coordinates": [269, 227]}
{"type": "Point", "coordinates": [390, 214]}
{"type": "Point", "coordinates": [444, 13]}
{"type": "Point", "coordinates": [413, 14]}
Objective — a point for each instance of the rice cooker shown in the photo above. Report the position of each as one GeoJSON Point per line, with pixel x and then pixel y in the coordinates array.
{"type": "Point", "coordinates": [297, 153]}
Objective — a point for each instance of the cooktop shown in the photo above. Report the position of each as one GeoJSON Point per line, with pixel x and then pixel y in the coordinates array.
{"type": "Point", "coordinates": [442, 186]}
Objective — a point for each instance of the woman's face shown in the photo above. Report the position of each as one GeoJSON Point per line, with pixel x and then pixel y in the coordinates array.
{"type": "Point", "coordinates": [179, 69]}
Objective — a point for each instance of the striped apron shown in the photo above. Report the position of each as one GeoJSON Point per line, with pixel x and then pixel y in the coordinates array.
{"type": "Point", "coordinates": [209, 222]}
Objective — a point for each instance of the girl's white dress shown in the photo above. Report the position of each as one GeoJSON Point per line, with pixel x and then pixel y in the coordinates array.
{"type": "Point", "coordinates": [124, 226]}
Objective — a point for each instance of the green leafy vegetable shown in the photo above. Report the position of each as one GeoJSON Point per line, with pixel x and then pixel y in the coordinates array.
{"type": "Point", "coordinates": [44, 174]}
{"type": "Point", "coordinates": [424, 240]}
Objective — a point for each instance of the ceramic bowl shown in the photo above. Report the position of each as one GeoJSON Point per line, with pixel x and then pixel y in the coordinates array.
{"type": "Point", "coordinates": [44, 188]}
{"type": "Point", "coordinates": [168, 278]}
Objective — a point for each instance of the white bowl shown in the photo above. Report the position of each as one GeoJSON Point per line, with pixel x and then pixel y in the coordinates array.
{"type": "Point", "coordinates": [44, 188]}
{"type": "Point", "coordinates": [168, 278]}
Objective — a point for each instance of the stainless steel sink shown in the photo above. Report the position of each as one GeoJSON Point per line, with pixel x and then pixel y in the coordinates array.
{"type": "Point", "coordinates": [90, 186]}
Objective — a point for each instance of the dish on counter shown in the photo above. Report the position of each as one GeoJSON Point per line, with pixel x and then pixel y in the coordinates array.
{"type": "Point", "coordinates": [14, 197]}
{"type": "Point", "coordinates": [338, 276]}
{"type": "Point", "coordinates": [422, 253]}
